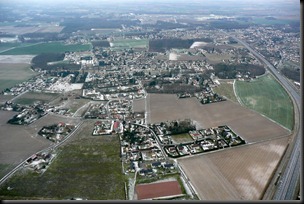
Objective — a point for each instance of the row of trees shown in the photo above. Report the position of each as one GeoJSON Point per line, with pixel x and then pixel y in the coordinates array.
{"type": "Point", "coordinates": [226, 71]}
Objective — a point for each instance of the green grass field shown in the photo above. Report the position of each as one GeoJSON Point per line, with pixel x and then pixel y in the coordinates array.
{"type": "Point", "coordinates": [266, 96]}
{"type": "Point", "coordinates": [226, 89]}
{"type": "Point", "coordinates": [53, 47]}
{"type": "Point", "coordinates": [142, 43]}
{"type": "Point", "coordinates": [87, 167]}
{"type": "Point", "coordinates": [12, 74]}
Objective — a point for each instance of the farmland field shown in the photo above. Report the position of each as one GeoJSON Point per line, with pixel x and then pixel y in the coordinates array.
{"type": "Point", "coordinates": [53, 47]}
{"type": "Point", "coordinates": [30, 98]}
{"type": "Point", "coordinates": [247, 123]}
{"type": "Point", "coordinates": [5, 46]}
{"type": "Point", "coordinates": [17, 142]}
{"type": "Point", "coordinates": [226, 89]}
{"type": "Point", "coordinates": [12, 74]}
{"type": "Point", "coordinates": [266, 96]}
{"type": "Point", "coordinates": [240, 173]}
{"type": "Point", "coordinates": [142, 43]}
{"type": "Point", "coordinates": [86, 167]}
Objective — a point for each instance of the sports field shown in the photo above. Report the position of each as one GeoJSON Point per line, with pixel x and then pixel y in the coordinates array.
{"type": "Point", "coordinates": [130, 43]}
{"type": "Point", "coordinates": [266, 96]}
{"type": "Point", "coordinates": [53, 47]}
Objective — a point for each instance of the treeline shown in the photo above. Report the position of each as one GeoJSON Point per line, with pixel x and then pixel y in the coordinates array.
{"type": "Point", "coordinates": [40, 61]}
{"type": "Point", "coordinates": [161, 45]}
{"type": "Point", "coordinates": [179, 127]}
{"type": "Point", "coordinates": [293, 74]}
{"type": "Point", "coordinates": [75, 24]}
{"type": "Point", "coordinates": [165, 25]}
{"type": "Point", "coordinates": [225, 71]}
{"type": "Point", "coordinates": [227, 24]}
{"type": "Point", "coordinates": [101, 43]}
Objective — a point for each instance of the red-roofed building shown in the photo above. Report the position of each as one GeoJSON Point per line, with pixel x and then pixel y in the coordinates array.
{"type": "Point", "coordinates": [116, 125]}
{"type": "Point", "coordinates": [162, 190]}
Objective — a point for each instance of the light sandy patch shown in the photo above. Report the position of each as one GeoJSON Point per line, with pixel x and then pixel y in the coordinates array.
{"type": "Point", "coordinates": [50, 29]}
{"type": "Point", "coordinates": [198, 44]}
{"type": "Point", "coordinates": [173, 56]}
{"type": "Point", "coordinates": [16, 59]}
{"type": "Point", "coordinates": [18, 30]}
{"type": "Point", "coordinates": [65, 87]}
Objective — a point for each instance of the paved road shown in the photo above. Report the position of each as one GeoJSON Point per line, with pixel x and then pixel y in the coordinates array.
{"type": "Point", "coordinates": [287, 185]}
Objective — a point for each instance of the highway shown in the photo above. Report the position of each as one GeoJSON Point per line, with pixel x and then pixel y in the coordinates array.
{"type": "Point", "coordinates": [287, 185]}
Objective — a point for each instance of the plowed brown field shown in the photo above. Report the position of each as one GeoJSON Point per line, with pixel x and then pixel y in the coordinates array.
{"type": "Point", "coordinates": [240, 173]}
{"type": "Point", "coordinates": [250, 125]}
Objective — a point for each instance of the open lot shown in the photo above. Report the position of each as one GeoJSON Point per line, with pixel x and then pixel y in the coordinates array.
{"type": "Point", "coordinates": [139, 105]}
{"type": "Point", "coordinates": [12, 74]}
{"type": "Point", "coordinates": [17, 142]}
{"type": "Point", "coordinates": [226, 89]}
{"type": "Point", "coordinates": [30, 98]}
{"type": "Point", "coordinates": [4, 98]}
{"type": "Point", "coordinates": [215, 58]}
{"type": "Point", "coordinates": [240, 173]}
{"type": "Point", "coordinates": [86, 167]}
{"type": "Point", "coordinates": [181, 138]}
{"type": "Point", "coordinates": [49, 119]}
{"type": "Point", "coordinates": [248, 124]}
{"type": "Point", "coordinates": [266, 96]}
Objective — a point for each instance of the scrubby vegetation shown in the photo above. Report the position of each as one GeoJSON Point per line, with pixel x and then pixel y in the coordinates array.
{"type": "Point", "coordinates": [161, 45]}
{"type": "Point", "coordinates": [40, 61]}
{"type": "Point", "coordinates": [293, 74]}
{"type": "Point", "coordinates": [225, 71]}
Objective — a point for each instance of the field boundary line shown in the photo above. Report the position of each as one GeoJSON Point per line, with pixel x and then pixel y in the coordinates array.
{"type": "Point", "coordinates": [240, 101]}
{"type": "Point", "coordinates": [236, 95]}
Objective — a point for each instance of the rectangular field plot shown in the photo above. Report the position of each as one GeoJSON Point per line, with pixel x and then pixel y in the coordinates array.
{"type": "Point", "coordinates": [30, 98]}
{"type": "Point", "coordinates": [17, 142]}
{"type": "Point", "coordinates": [86, 167]}
{"type": "Point", "coordinates": [250, 125]}
{"type": "Point", "coordinates": [53, 47]}
{"type": "Point", "coordinates": [266, 96]}
{"type": "Point", "coordinates": [240, 173]}
{"type": "Point", "coordinates": [12, 74]}
{"type": "Point", "coordinates": [181, 138]}
{"type": "Point", "coordinates": [126, 43]}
